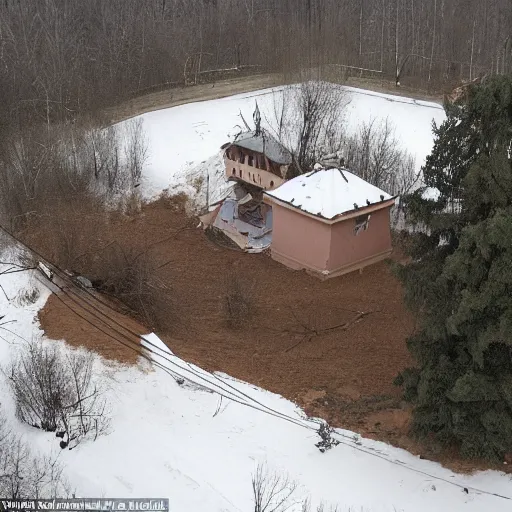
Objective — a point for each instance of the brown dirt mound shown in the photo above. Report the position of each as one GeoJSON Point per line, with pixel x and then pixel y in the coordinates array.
{"type": "Point", "coordinates": [304, 339]}
{"type": "Point", "coordinates": [60, 322]}
{"type": "Point", "coordinates": [289, 343]}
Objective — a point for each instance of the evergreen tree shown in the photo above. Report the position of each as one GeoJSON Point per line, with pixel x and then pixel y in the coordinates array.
{"type": "Point", "coordinates": [459, 281]}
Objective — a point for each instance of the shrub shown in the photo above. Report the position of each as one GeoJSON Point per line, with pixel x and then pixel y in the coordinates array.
{"type": "Point", "coordinates": [28, 296]}
{"type": "Point", "coordinates": [58, 392]}
{"type": "Point", "coordinates": [24, 475]}
{"type": "Point", "coordinates": [132, 277]}
{"type": "Point", "coordinates": [276, 492]}
{"type": "Point", "coordinates": [272, 492]}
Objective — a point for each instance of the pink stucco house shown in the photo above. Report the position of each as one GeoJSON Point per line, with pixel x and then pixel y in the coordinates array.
{"type": "Point", "coordinates": [329, 222]}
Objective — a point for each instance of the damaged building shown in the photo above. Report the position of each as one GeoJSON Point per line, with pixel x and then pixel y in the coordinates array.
{"type": "Point", "coordinates": [256, 162]}
{"type": "Point", "coordinates": [328, 221]}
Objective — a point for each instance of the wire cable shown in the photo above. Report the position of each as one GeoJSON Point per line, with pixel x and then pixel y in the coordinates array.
{"type": "Point", "coordinates": [228, 394]}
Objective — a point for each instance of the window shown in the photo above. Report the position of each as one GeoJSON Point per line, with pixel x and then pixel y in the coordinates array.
{"type": "Point", "coordinates": [361, 223]}
{"type": "Point", "coordinates": [251, 161]}
{"type": "Point", "coordinates": [242, 157]}
{"type": "Point", "coordinates": [271, 183]}
{"type": "Point", "coordinates": [233, 172]}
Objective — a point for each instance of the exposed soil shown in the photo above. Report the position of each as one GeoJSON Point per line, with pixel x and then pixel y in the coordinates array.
{"type": "Point", "coordinates": [300, 337]}
{"type": "Point", "coordinates": [333, 347]}
{"type": "Point", "coordinates": [60, 322]}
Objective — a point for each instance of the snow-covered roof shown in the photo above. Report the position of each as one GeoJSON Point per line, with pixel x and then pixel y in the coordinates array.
{"type": "Point", "coordinates": [328, 193]}
{"type": "Point", "coordinates": [265, 143]}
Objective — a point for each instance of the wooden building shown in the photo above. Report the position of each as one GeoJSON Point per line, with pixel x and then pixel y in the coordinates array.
{"type": "Point", "coordinates": [258, 159]}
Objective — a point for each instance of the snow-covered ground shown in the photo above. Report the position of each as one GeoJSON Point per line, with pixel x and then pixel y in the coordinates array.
{"type": "Point", "coordinates": [182, 441]}
{"type": "Point", "coordinates": [185, 141]}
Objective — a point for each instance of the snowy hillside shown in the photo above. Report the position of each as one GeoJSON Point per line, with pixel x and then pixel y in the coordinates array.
{"type": "Point", "coordinates": [185, 141]}
{"type": "Point", "coordinates": [183, 442]}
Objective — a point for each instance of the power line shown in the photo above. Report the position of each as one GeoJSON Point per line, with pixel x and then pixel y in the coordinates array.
{"type": "Point", "coordinates": [295, 421]}
{"type": "Point", "coordinates": [66, 277]}
{"type": "Point", "coordinates": [230, 395]}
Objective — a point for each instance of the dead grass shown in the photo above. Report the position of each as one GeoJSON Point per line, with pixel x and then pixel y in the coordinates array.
{"type": "Point", "coordinates": [178, 96]}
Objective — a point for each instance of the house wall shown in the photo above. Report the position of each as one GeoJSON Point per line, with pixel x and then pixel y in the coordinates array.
{"type": "Point", "coordinates": [251, 174]}
{"type": "Point", "coordinates": [299, 241]}
{"type": "Point", "coordinates": [302, 242]}
{"type": "Point", "coordinates": [367, 246]}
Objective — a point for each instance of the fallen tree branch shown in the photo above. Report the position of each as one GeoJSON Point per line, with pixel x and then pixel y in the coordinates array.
{"type": "Point", "coordinates": [314, 332]}
{"type": "Point", "coordinates": [346, 325]}
{"type": "Point", "coordinates": [297, 344]}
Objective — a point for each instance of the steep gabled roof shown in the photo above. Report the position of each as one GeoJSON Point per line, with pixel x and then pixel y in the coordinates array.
{"type": "Point", "coordinates": [328, 193]}
{"type": "Point", "coordinates": [263, 142]}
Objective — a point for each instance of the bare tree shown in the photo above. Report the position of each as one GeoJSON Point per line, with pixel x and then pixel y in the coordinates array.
{"type": "Point", "coordinates": [308, 120]}
{"type": "Point", "coordinates": [272, 492]}
{"type": "Point", "coordinates": [76, 164]}
{"type": "Point", "coordinates": [24, 475]}
{"type": "Point", "coordinates": [59, 60]}
{"type": "Point", "coordinates": [136, 150]}
{"type": "Point", "coordinates": [59, 392]}
{"type": "Point", "coordinates": [374, 154]}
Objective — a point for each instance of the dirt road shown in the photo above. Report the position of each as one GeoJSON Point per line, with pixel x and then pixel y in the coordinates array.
{"type": "Point", "coordinates": [173, 97]}
{"type": "Point", "coordinates": [179, 96]}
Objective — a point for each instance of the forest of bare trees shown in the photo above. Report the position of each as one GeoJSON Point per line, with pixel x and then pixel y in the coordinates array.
{"type": "Point", "coordinates": [62, 57]}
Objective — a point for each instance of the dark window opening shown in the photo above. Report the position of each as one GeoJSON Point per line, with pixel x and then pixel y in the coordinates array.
{"type": "Point", "coordinates": [271, 183]}
{"type": "Point", "coordinates": [361, 223]}
{"type": "Point", "coordinates": [251, 161]}
{"type": "Point", "coordinates": [242, 157]}
{"type": "Point", "coordinates": [234, 171]}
